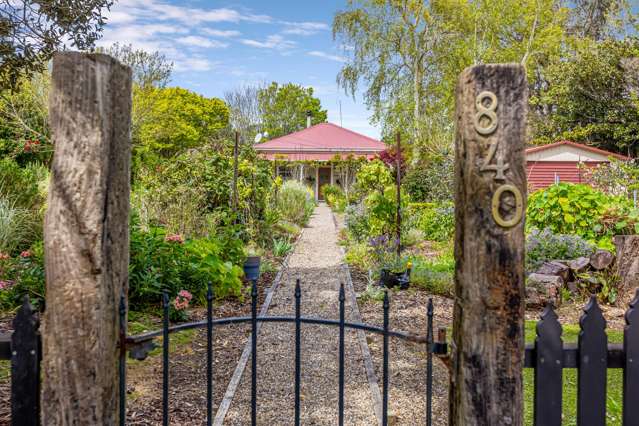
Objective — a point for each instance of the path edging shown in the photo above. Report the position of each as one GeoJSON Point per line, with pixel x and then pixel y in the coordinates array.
{"type": "Point", "coordinates": [231, 389]}
{"type": "Point", "coordinates": [361, 336]}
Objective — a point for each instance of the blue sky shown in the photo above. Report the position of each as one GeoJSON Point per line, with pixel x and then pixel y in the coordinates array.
{"type": "Point", "coordinates": [219, 45]}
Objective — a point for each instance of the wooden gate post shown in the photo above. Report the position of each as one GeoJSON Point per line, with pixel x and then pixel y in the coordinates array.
{"type": "Point", "coordinates": [486, 381]}
{"type": "Point", "coordinates": [86, 238]}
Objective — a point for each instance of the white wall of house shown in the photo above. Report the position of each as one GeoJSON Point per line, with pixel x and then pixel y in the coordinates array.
{"type": "Point", "coordinates": [565, 153]}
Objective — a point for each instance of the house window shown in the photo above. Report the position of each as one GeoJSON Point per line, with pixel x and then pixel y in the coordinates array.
{"type": "Point", "coordinates": [285, 172]}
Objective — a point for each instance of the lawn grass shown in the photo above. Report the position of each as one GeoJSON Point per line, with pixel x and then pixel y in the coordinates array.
{"type": "Point", "coordinates": [615, 382]}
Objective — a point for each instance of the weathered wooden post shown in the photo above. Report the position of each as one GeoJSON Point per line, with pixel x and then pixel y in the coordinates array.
{"type": "Point", "coordinates": [486, 381]}
{"type": "Point", "coordinates": [86, 238]}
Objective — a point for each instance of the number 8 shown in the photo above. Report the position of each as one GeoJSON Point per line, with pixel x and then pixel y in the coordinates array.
{"type": "Point", "coordinates": [489, 112]}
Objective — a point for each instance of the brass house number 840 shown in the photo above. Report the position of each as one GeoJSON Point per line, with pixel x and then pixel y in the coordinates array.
{"type": "Point", "coordinates": [486, 122]}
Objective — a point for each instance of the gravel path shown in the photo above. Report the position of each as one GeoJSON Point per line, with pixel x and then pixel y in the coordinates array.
{"type": "Point", "coordinates": [316, 262]}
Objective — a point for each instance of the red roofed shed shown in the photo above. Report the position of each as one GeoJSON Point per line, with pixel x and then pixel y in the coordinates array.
{"type": "Point", "coordinates": [320, 143]}
{"type": "Point", "coordinates": [560, 162]}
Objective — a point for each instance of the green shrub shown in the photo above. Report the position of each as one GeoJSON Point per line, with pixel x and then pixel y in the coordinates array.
{"type": "Point", "coordinates": [18, 227]}
{"type": "Point", "coordinates": [160, 261]}
{"type": "Point", "coordinates": [372, 177]}
{"type": "Point", "coordinates": [382, 210]}
{"type": "Point", "coordinates": [358, 255]}
{"type": "Point", "coordinates": [295, 202]}
{"type": "Point", "coordinates": [357, 222]}
{"type": "Point", "coordinates": [543, 246]}
{"type": "Point", "coordinates": [335, 197]}
{"type": "Point", "coordinates": [22, 275]}
{"type": "Point", "coordinates": [24, 186]}
{"type": "Point", "coordinates": [567, 208]}
{"type": "Point", "coordinates": [434, 274]}
{"type": "Point", "coordinates": [431, 182]}
{"type": "Point", "coordinates": [281, 247]}
{"type": "Point", "coordinates": [435, 220]}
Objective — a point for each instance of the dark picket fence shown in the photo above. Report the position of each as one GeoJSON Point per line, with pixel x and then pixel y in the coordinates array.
{"type": "Point", "coordinates": [592, 356]}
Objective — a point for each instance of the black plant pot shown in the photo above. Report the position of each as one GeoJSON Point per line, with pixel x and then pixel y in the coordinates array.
{"type": "Point", "coordinates": [252, 268]}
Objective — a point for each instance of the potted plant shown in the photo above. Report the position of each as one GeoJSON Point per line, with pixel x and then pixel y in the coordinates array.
{"type": "Point", "coordinates": [395, 273]}
{"type": "Point", "coordinates": [252, 262]}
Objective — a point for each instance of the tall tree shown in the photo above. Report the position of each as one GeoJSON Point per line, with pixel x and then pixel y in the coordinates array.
{"type": "Point", "coordinates": [150, 69]}
{"type": "Point", "coordinates": [593, 97]}
{"type": "Point", "coordinates": [409, 53]}
{"type": "Point", "coordinates": [178, 120]}
{"type": "Point", "coordinates": [244, 106]}
{"type": "Point", "coordinates": [284, 108]}
{"type": "Point", "coordinates": [32, 30]}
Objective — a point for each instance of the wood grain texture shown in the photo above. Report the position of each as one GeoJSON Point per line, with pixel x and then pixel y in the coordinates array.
{"type": "Point", "coordinates": [86, 238]}
{"type": "Point", "coordinates": [486, 382]}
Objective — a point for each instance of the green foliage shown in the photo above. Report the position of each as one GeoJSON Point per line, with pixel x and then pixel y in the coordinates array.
{"type": "Point", "coordinates": [543, 246]}
{"type": "Point", "coordinates": [435, 274]}
{"type": "Point", "coordinates": [18, 227]}
{"type": "Point", "coordinates": [177, 120]}
{"type": "Point", "coordinates": [295, 202]}
{"type": "Point", "coordinates": [373, 177]}
{"type": "Point", "coordinates": [592, 96]}
{"type": "Point", "coordinates": [192, 194]}
{"type": "Point", "coordinates": [24, 186]}
{"type": "Point", "coordinates": [430, 182]}
{"type": "Point", "coordinates": [413, 93]}
{"type": "Point", "coordinates": [284, 108]}
{"type": "Point", "coordinates": [358, 255]}
{"type": "Point", "coordinates": [335, 197]}
{"type": "Point", "coordinates": [24, 129]}
{"type": "Point", "coordinates": [33, 30]}
{"type": "Point", "coordinates": [615, 177]}
{"type": "Point", "coordinates": [435, 220]}
{"type": "Point", "coordinates": [22, 275]}
{"type": "Point", "coordinates": [161, 263]}
{"type": "Point", "coordinates": [281, 247]}
{"type": "Point", "coordinates": [382, 211]}
{"type": "Point", "coordinates": [567, 208]}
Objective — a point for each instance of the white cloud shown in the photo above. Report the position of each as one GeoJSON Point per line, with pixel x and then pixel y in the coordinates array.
{"type": "Point", "coordinates": [272, 42]}
{"type": "Point", "coordinates": [304, 28]}
{"type": "Point", "coordinates": [188, 64]}
{"type": "Point", "coordinates": [328, 56]}
{"type": "Point", "coordinates": [197, 41]}
{"type": "Point", "coordinates": [153, 9]}
{"type": "Point", "coordinates": [221, 33]}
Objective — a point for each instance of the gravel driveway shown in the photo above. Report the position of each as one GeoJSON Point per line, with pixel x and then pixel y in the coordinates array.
{"type": "Point", "coordinates": [316, 262]}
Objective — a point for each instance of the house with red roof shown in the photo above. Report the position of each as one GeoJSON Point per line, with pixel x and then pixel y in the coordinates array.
{"type": "Point", "coordinates": [312, 155]}
{"type": "Point", "coordinates": [563, 161]}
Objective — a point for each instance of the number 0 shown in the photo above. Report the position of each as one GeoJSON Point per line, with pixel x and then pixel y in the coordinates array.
{"type": "Point", "coordinates": [519, 206]}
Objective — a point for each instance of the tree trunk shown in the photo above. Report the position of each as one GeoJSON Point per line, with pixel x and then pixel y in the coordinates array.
{"type": "Point", "coordinates": [628, 261]}
{"type": "Point", "coordinates": [486, 381]}
{"type": "Point", "coordinates": [86, 238]}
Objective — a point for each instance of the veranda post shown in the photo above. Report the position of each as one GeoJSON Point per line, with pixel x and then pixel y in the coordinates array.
{"type": "Point", "coordinates": [488, 330]}
{"type": "Point", "coordinates": [86, 237]}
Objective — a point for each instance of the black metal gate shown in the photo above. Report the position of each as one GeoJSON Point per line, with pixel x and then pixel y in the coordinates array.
{"type": "Point", "coordinates": [140, 345]}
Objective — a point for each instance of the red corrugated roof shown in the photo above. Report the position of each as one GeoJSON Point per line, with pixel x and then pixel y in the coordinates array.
{"type": "Point", "coordinates": [322, 138]}
{"type": "Point", "coordinates": [579, 146]}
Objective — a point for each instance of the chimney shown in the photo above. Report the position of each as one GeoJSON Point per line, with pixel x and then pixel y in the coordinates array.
{"type": "Point", "coordinates": [309, 114]}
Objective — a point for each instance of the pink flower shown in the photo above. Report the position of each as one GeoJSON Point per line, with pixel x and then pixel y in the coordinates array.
{"type": "Point", "coordinates": [5, 284]}
{"type": "Point", "coordinates": [175, 238]}
{"type": "Point", "coordinates": [185, 294]}
{"type": "Point", "coordinates": [182, 300]}
{"type": "Point", "coordinates": [25, 254]}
